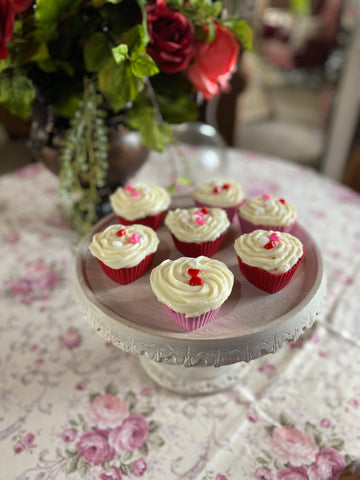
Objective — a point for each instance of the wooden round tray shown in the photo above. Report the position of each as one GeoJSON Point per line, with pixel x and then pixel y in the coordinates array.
{"type": "Point", "coordinates": [250, 324]}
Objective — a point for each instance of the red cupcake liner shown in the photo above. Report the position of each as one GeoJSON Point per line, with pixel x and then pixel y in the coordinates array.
{"type": "Point", "coordinates": [269, 282]}
{"type": "Point", "coordinates": [230, 211]}
{"type": "Point", "coordinates": [127, 275]}
{"type": "Point", "coordinates": [191, 323]}
{"type": "Point", "coordinates": [208, 249]}
{"type": "Point", "coordinates": [247, 227]}
{"type": "Point", "coordinates": [152, 221]}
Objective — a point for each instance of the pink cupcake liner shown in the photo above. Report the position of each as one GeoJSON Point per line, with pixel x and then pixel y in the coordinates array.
{"type": "Point", "coordinates": [269, 282]}
{"type": "Point", "coordinates": [208, 249]}
{"type": "Point", "coordinates": [230, 211]}
{"type": "Point", "coordinates": [247, 227]}
{"type": "Point", "coordinates": [127, 275]}
{"type": "Point", "coordinates": [191, 323]}
{"type": "Point", "coordinates": [152, 221]}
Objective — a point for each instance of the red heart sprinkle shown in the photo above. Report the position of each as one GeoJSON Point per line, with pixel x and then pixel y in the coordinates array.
{"type": "Point", "coordinates": [227, 186]}
{"type": "Point", "coordinates": [281, 200]}
{"type": "Point", "coordinates": [121, 233]}
{"type": "Point", "coordinates": [204, 210]}
{"type": "Point", "coordinates": [193, 272]}
{"type": "Point", "coordinates": [195, 281]}
{"type": "Point", "coordinates": [217, 189]}
{"type": "Point", "coordinates": [269, 245]}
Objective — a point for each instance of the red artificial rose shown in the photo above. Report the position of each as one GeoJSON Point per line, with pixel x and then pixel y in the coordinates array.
{"type": "Point", "coordinates": [7, 18]}
{"type": "Point", "coordinates": [21, 5]}
{"type": "Point", "coordinates": [171, 43]}
{"type": "Point", "coordinates": [214, 62]}
{"type": "Point", "coordinates": [8, 9]}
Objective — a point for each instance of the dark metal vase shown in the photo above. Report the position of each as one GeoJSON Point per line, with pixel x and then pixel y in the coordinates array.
{"type": "Point", "coordinates": [125, 157]}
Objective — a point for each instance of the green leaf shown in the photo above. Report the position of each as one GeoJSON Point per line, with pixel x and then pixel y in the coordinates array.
{"type": "Point", "coordinates": [111, 388]}
{"type": "Point", "coordinates": [243, 32]}
{"type": "Point", "coordinates": [156, 135]}
{"type": "Point", "coordinates": [125, 469]}
{"type": "Point", "coordinates": [144, 450]}
{"type": "Point", "coordinates": [83, 467]}
{"type": "Point", "coordinates": [153, 426]}
{"type": "Point", "coordinates": [130, 398]}
{"type": "Point", "coordinates": [127, 456]}
{"type": "Point", "coordinates": [48, 14]}
{"type": "Point", "coordinates": [301, 7]}
{"type": "Point", "coordinates": [147, 410]}
{"type": "Point", "coordinates": [134, 39]}
{"type": "Point", "coordinates": [96, 52]}
{"type": "Point", "coordinates": [16, 92]}
{"type": "Point", "coordinates": [118, 85]}
{"type": "Point", "coordinates": [142, 65]}
{"type": "Point", "coordinates": [6, 63]}
{"type": "Point", "coordinates": [120, 52]}
{"type": "Point", "coordinates": [73, 464]}
{"type": "Point", "coordinates": [67, 104]}
{"type": "Point", "coordinates": [155, 441]}
{"type": "Point", "coordinates": [184, 181]}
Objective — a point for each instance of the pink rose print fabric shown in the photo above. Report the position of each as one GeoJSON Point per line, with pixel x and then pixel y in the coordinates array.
{"type": "Point", "coordinates": [112, 435]}
{"type": "Point", "coordinates": [290, 445]}
{"type": "Point", "coordinates": [297, 455]}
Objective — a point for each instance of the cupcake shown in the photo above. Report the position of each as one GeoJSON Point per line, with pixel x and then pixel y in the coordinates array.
{"type": "Point", "coordinates": [192, 290]}
{"type": "Point", "coordinates": [267, 213]}
{"type": "Point", "coordinates": [225, 194]}
{"type": "Point", "coordinates": [268, 259]}
{"type": "Point", "coordinates": [124, 252]}
{"type": "Point", "coordinates": [141, 203]}
{"type": "Point", "coordinates": [197, 231]}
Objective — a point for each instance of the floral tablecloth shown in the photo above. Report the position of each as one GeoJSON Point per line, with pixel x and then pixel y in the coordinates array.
{"type": "Point", "coordinates": [72, 406]}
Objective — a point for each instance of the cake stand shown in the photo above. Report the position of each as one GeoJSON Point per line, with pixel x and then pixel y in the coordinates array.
{"type": "Point", "coordinates": [251, 323]}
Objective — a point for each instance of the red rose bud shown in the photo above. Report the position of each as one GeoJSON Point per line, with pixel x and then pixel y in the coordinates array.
{"type": "Point", "coordinates": [214, 62]}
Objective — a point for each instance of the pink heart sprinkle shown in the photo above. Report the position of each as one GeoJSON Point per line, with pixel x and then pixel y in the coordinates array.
{"type": "Point", "coordinates": [199, 213]}
{"type": "Point", "coordinates": [129, 187]}
{"type": "Point", "coordinates": [134, 238]}
{"type": "Point", "coordinates": [135, 194]}
{"type": "Point", "coordinates": [266, 197]}
{"type": "Point", "coordinates": [274, 237]}
{"type": "Point", "coordinates": [200, 221]}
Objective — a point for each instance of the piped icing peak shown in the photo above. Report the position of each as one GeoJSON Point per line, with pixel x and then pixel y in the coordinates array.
{"type": "Point", "coordinates": [275, 252]}
{"type": "Point", "coordinates": [123, 247]}
{"type": "Point", "coordinates": [139, 201]}
{"type": "Point", "coordinates": [219, 193]}
{"type": "Point", "coordinates": [268, 210]}
{"type": "Point", "coordinates": [189, 294]}
{"type": "Point", "coordinates": [197, 225]}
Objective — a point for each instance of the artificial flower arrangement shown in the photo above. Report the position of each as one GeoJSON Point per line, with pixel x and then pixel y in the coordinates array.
{"type": "Point", "coordinates": [89, 58]}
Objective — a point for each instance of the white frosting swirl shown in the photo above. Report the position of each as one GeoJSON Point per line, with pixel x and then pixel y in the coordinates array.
{"type": "Point", "coordinates": [268, 211]}
{"type": "Point", "coordinates": [118, 251]}
{"type": "Point", "coordinates": [170, 283]}
{"type": "Point", "coordinates": [225, 197]}
{"type": "Point", "coordinates": [139, 201]}
{"type": "Point", "coordinates": [193, 226]}
{"type": "Point", "coordinates": [250, 247]}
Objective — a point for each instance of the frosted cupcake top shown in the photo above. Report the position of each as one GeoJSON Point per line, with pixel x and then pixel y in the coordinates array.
{"type": "Point", "coordinates": [123, 247]}
{"type": "Point", "coordinates": [267, 210]}
{"type": "Point", "coordinates": [219, 193]}
{"type": "Point", "coordinates": [192, 286]}
{"type": "Point", "coordinates": [274, 252]}
{"type": "Point", "coordinates": [197, 225]}
{"type": "Point", "coordinates": [139, 201]}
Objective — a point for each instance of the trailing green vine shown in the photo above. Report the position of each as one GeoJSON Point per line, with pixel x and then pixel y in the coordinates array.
{"type": "Point", "coordinates": [83, 159]}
